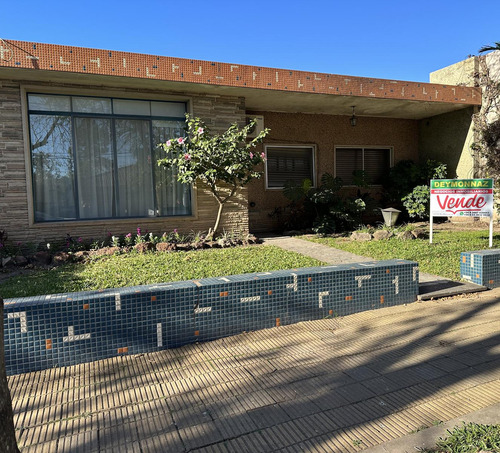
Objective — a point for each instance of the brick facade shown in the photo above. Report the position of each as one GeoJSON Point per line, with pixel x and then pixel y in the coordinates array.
{"type": "Point", "coordinates": [325, 132]}
{"type": "Point", "coordinates": [219, 93]}
{"type": "Point", "coordinates": [218, 111]}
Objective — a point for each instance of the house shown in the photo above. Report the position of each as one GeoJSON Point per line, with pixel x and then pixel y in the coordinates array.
{"type": "Point", "coordinates": [471, 72]}
{"type": "Point", "coordinates": [78, 129]}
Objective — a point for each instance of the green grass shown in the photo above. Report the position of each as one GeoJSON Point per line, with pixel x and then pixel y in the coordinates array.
{"type": "Point", "coordinates": [469, 438]}
{"type": "Point", "coordinates": [442, 257]}
{"type": "Point", "coordinates": [136, 269]}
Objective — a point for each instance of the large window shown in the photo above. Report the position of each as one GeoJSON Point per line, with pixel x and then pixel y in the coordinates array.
{"type": "Point", "coordinates": [95, 158]}
{"type": "Point", "coordinates": [290, 164]}
{"type": "Point", "coordinates": [375, 162]}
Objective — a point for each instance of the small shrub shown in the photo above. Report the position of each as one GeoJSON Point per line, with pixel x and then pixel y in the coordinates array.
{"type": "Point", "coordinates": [324, 207]}
{"type": "Point", "coordinates": [406, 175]}
{"type": "Point", "coordinates": [417, 202]}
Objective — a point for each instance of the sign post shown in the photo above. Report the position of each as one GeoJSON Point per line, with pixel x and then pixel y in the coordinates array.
{"type": "Point", "coordinates": [463, 198]}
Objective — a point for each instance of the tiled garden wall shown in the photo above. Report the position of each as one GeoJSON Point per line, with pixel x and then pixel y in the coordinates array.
{"type": "Point", "coordinates": [481, 267]}
{"type": "Point", "coordinates": [65, 329]}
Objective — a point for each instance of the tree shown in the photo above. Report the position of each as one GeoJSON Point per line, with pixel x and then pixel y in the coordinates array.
{"type": "Point", "coordinates": [8, 442]}
{"type": "Point", "coordinates": [224, 162]}
{"type": "Point", "coordinates": [488, 48]}
{"type": "Point", "coordinates": [487, 121]}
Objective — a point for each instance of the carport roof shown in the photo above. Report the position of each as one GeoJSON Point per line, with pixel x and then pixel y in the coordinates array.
{"type": "Point", "coordinates": [264, 89]}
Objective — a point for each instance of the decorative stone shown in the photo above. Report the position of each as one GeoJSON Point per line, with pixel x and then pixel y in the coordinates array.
{"type": "Point", "coordinates": [405, 236]}
{"type": "Point", "coordinates": [165, 247]}
{"type": "Point", "coordinates": [7, 261]}
{"type": "Point", "coordinates": [105, 251]}
{"type": "Point", "coordinates": [292, 233]}
{"type": "Point", "coordinates": [81, 255]}
{"type": "Point", "coordinates": [382, 234]}
{"type": "Point", "coordinates": [42, 257]}
{"type": "Point", "coordinates": [20, 260]}
{"type": "Point", "coordinates": [61, 257]}
{"type": "Point", "coordinates": [357, 236]}
{"type": "Point", "coordinates": [418, 233]}
{"type": "Point", "coordinates": [143, 247]}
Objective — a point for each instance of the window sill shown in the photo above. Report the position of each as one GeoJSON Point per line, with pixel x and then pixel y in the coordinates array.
{"type": "Point", "coordinates": [100, 222]}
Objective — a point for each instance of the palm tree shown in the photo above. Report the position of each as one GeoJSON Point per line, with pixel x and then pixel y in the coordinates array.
{"type": "Point", "coordinates": [488, 48]}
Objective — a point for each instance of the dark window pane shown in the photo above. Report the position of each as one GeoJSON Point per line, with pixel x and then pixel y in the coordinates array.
{"type": "Point", "coordinates": [91, 105]}
{"type": "Point", "coordinates": [129, 107]}
{"type": "Point", "coordinates": [50, 103]}
{"type": "Point", "coordinates": [53, 169]}
{"type": "Point", "coordinates": [288, 165]}
{"type": "Point", "coordinates": [346, 161]}
{"type": "Point", "coordinates": [377, 164]}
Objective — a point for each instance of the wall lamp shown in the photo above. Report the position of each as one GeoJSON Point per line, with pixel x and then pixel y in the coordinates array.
{"type": "Point", "coordinates": [354, 118]}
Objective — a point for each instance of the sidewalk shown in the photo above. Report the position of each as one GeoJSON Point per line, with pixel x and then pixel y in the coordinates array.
{"type": "Point", "coordinates": [430, 286]}
{"type": "Point", "coordinates": [333, 385]}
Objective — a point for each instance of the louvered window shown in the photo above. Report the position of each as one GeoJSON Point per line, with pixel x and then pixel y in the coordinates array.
{"type": "Point", "coordinates": [376, 163]}
{"type": "Point", "coordinates": [289, 164]}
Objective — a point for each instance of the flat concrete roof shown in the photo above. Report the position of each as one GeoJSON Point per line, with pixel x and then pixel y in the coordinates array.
{"type": "Point", "coordinates": [264, 89]}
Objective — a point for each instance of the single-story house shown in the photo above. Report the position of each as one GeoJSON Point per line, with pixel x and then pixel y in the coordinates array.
{"type": "Point", "coordinates": [78, 129]}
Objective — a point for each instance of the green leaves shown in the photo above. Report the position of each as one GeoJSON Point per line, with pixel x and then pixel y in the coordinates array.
{"type": "Point", "coordinates": [216, 159]}
{"type": "Point", "coordinates": [471, 438]}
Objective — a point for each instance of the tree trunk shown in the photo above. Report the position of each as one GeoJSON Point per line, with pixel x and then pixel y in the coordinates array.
{"type": "Point", "coordinates": [8, 442]}
{"type": "Point", "coordinates": [219, 215]}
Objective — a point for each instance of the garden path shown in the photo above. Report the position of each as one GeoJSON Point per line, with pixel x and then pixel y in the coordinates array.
{"type": "Point", "coordinates": [430, 286]}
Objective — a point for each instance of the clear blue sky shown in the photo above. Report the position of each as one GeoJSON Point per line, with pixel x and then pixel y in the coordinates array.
{"type": "Point", "coordinates": [387, 39]}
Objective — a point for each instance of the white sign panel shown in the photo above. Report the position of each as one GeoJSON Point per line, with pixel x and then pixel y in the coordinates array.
{"type": "Point", "coordinates": [461, 197]}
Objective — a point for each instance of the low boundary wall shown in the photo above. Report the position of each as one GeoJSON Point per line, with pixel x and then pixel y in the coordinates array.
{"type": "Point", "coordinates": [481, 267]}
{"type": "Point", "coordinates": [66, 329]}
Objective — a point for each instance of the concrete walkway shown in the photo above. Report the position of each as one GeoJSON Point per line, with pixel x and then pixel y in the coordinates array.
{"type": "Point", "coordinates": [333, 385]}
{"type": "Point", "coordinates": [430, 286]}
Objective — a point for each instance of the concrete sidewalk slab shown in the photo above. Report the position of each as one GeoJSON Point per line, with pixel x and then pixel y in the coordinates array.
{"type": "Point", "coordinates": [427, 437]}
{"type": "Point", "coordinates": [333, 385]}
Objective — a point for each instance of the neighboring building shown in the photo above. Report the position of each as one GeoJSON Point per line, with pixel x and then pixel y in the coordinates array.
{"type": "Point", "coordinates": [78, 129]}
{"type": "Point", "coordinates": [458, 124]}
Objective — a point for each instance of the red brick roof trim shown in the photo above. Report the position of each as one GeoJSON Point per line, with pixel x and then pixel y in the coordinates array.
{"type": "Point", "coordinates": [50, 57]}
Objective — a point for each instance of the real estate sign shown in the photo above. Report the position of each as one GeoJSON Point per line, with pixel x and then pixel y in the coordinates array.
{"type": "Point", "coordinates": [461, 197]}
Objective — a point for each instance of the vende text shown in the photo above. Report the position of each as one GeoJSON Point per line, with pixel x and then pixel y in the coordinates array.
{"type": "Point", "coordinates": [449, 203]}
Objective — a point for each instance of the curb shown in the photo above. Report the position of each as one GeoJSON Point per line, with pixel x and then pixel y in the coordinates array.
{"type": "Point", "coordinates": [427, 438]}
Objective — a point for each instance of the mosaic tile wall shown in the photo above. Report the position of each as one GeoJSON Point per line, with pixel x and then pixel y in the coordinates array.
{"type": "Point", "coordinates": [69, 59]}
{"type": "Point", "coordinates": [481, 267]}
{"type": "Point", "coordinates": [65, 329]}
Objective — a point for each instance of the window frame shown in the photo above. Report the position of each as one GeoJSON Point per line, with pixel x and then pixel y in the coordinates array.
{"type": "Point", "coordinates": [95, 93]}
{"type": "Point", "coordinates": [363, 147]}
{"type": "Point", "coordinates": [313, 149]}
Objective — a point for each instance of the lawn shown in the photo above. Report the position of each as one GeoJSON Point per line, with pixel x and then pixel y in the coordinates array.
{"type": "Point", "coordinates": [469, 438]}
{"type": "Point", "coordinates": [141, 269]}
{"type": "Point", "coordinates": [442, 257]}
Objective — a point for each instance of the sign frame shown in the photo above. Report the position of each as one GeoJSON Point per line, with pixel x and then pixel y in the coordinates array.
{"type": "Point", "coordinates": [469, 197]}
